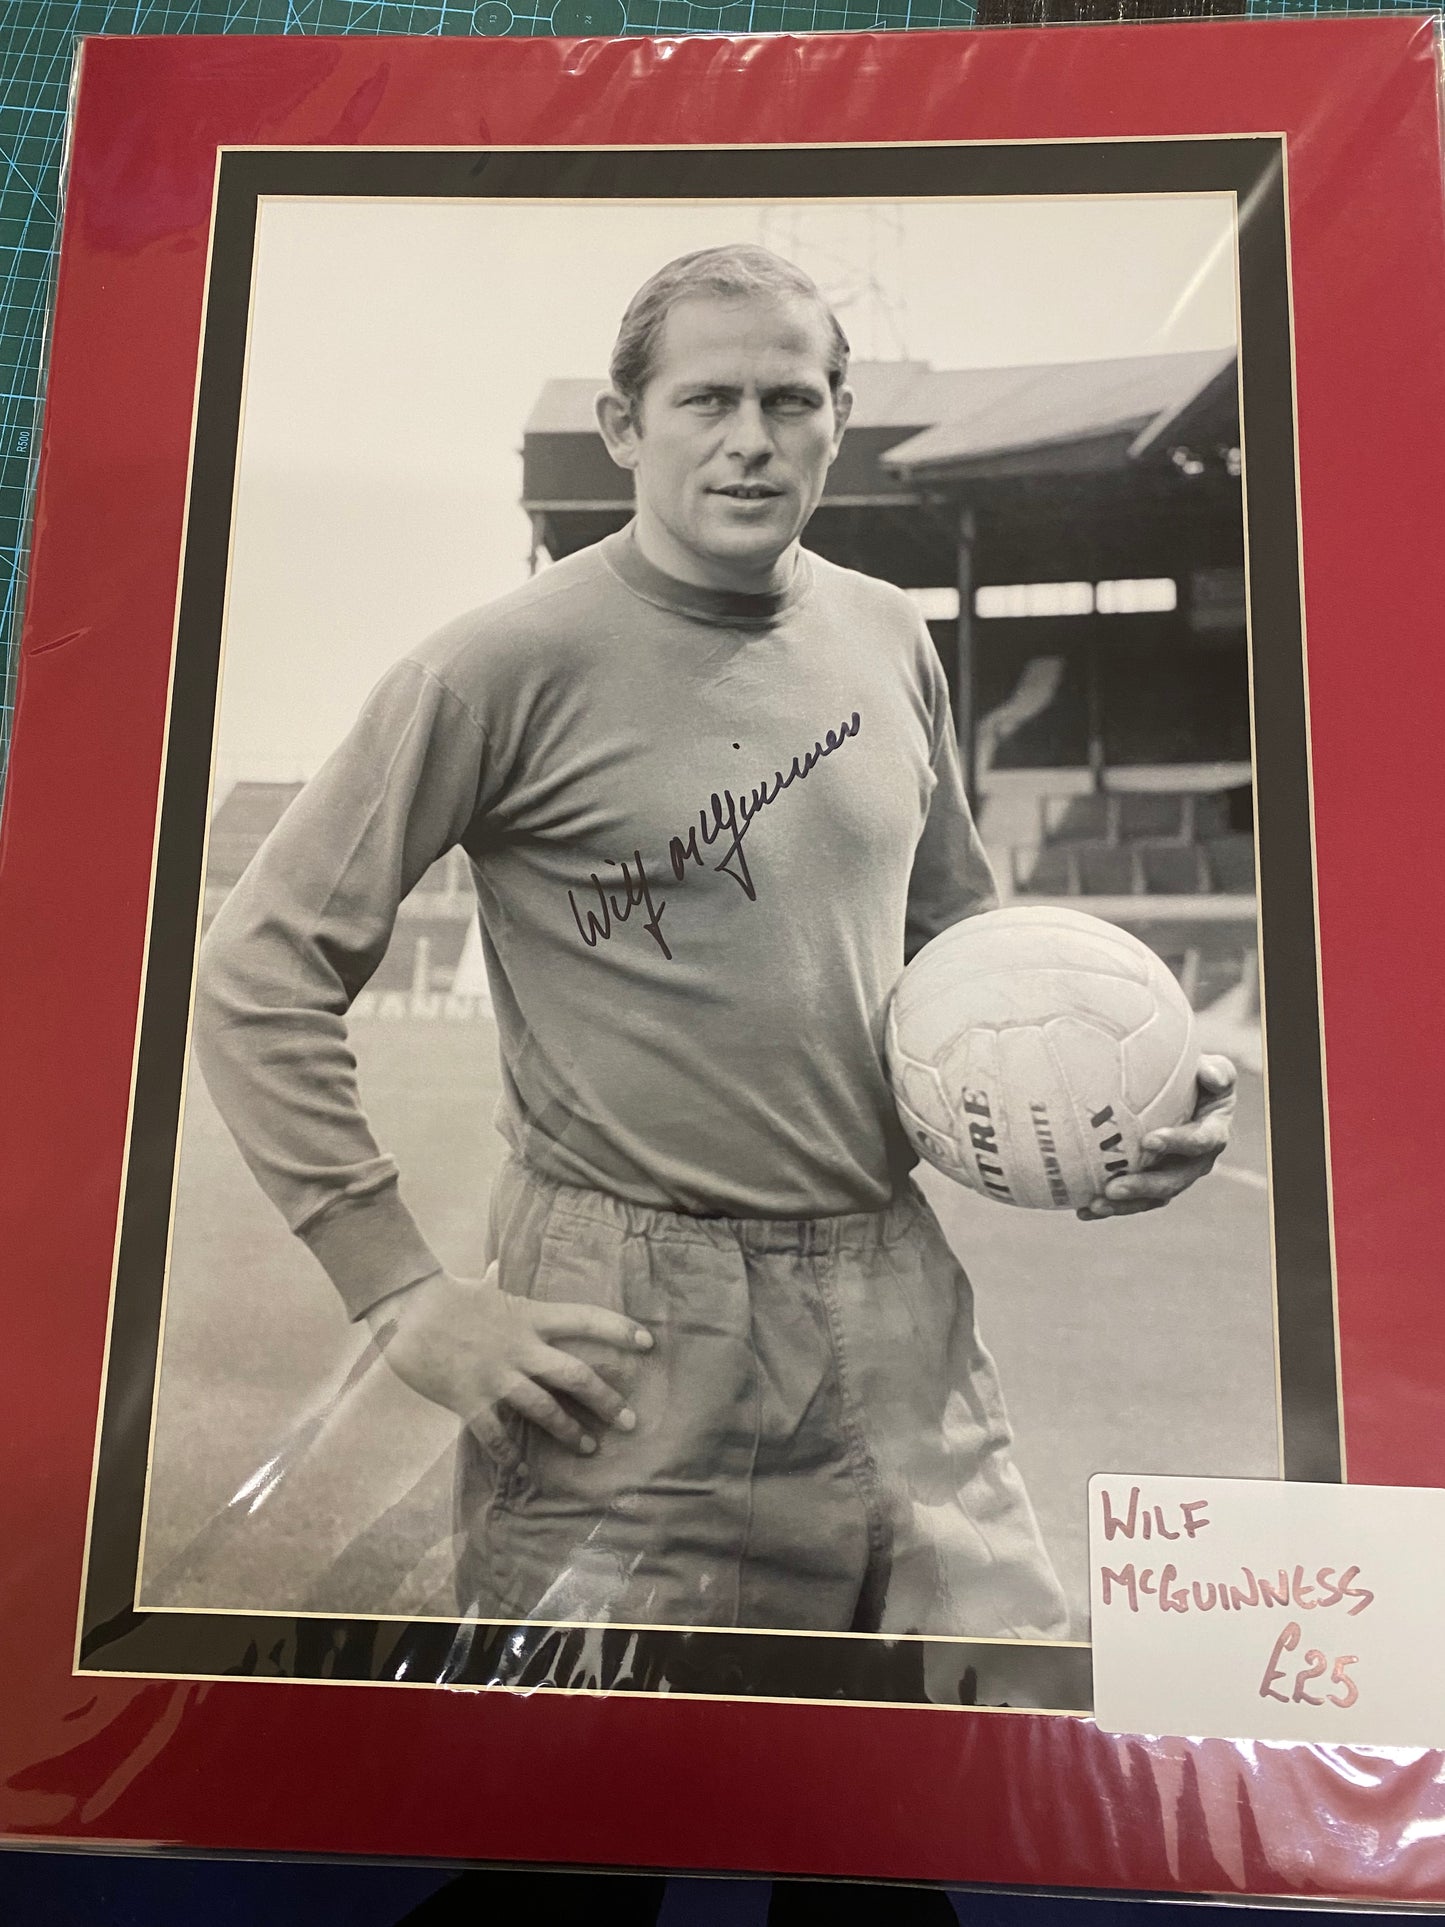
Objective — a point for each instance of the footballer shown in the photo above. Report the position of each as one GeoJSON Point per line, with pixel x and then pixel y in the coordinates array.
{"type": "Point", "coordinates": [722, 1368]}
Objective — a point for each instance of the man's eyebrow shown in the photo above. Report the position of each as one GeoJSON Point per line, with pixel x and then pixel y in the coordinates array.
{"type": "Point", "coordinates": [702, 386]}
{"type": "Point", "coordinates": [798, 385]}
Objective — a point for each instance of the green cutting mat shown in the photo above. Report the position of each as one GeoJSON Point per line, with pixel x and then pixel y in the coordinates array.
{"type": "Point", "coordinates": [37, 41]}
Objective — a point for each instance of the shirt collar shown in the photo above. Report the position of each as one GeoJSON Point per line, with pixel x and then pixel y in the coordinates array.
{"type": "Point", "coordinates": [730, 607]}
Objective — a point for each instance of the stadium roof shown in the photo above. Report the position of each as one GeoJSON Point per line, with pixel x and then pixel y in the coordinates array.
{"type": "Point", "coordinates": [1211, 411]}
{"type": "Point", "coordinates": [983, 412]}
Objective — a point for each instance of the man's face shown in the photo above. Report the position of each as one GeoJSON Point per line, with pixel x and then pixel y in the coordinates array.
{"type": "Point", "coordinates": [737, 429]}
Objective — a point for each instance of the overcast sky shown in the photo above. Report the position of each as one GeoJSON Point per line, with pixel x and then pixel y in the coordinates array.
{"type": "Point", "coordinates": [397, 348]}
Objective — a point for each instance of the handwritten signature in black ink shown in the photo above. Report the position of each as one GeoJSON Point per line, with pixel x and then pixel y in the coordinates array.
{"type": "Point", "coordinates": [724, 816]}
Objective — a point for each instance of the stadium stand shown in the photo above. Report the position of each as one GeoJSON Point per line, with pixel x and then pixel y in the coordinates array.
{"type": "Point", "coordinates": [1147, 843]}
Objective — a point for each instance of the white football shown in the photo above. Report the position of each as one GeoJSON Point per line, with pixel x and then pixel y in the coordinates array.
{"type": "Point", "coordinates": [1030, 1049]}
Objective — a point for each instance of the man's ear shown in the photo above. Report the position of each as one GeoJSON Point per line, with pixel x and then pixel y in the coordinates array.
{"type": "Point", "coordinates": [842, 409]}
{"type": "Point", "coordinates": [619, 430]}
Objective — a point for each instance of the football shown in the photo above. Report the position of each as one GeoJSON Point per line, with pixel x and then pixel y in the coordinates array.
{"type": "Point", "coordinates": [1030, 1049]}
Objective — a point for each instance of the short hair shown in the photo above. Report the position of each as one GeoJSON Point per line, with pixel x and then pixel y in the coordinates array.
{"type": "Point", "coordinates": [737, 270]}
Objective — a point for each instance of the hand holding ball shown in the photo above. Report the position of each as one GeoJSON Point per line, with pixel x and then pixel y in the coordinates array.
{"type": "Point", "coordinates": [1031, 1049]}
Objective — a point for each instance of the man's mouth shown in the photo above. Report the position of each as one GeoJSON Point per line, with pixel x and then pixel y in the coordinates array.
{"type": "Point", "coordinates": [748, 491]}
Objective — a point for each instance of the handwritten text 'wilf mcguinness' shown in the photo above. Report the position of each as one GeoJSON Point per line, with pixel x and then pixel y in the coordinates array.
{"type": "Point", "coordinates": [1289, 1586]}
{"type": "Point", "coordinates": [725, 817]}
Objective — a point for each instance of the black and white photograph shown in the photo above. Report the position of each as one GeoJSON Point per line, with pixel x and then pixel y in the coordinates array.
{"type": "Point", "coordinates": [725, 1068]}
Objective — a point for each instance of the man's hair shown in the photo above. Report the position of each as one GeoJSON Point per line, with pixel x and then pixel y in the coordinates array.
{"type": "Point", "coordinates": [737, 270]}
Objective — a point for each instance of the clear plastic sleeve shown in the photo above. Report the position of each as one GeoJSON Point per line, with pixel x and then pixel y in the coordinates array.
{"type": "Point", "coordinates": [709, 731]}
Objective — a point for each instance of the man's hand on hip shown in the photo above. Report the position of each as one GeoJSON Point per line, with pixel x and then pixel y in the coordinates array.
{"type": "Point", "coordinates": [468, 1345]}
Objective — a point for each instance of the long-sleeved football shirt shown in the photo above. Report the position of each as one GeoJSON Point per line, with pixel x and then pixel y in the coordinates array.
{"type": "Point", "coordinates": [705, 831]}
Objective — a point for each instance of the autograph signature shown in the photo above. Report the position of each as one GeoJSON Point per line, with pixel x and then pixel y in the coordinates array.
{"type": "Point", "coordinates": [724, 815]}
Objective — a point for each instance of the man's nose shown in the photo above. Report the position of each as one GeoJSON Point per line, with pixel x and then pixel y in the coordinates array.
{"type": "Point", "coordinates": [749, 437]}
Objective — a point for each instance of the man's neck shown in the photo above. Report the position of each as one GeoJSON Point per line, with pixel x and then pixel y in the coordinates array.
{"type": "Point", "coordinates": [684, 565]}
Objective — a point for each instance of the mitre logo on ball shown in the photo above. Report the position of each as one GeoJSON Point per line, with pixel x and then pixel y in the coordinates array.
{"type": "Point", "coordinates": [1031, 1049]}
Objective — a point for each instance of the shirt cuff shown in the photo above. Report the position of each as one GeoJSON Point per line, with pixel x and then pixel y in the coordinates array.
{"type": "Point", "coordinates": [369, 1247]}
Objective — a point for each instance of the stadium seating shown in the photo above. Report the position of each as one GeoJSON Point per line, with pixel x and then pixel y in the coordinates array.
{"type": "Point", "coordinates": [1211, 813]}
{"type": "Point", "coordinates": [1143, 857]}
{"type": "Point", "coordinates": [1172, 843]}
{"type": "Point", "coordinates": [1107, 869]}
{"type": "Point", "coordinates": [1047, 872]}
{"type": "Point", "coordinates": [1172, 869]}
{"type": "Point", "coordinates": [1150, 813]}
{"type": "Point", "coordinates": [1231, 863]}
{"type": "Point", "coordinates": [1075, 819]}
{"type": "Point", "coordinates": [1208, 960]}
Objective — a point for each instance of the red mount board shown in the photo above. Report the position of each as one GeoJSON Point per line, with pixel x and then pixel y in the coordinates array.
{"type": "Point", "coordinates": [877, 1793]}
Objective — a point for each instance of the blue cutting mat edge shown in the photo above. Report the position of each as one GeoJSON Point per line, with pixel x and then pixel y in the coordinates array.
{"type": "Point", "coordinates": [37, 46]}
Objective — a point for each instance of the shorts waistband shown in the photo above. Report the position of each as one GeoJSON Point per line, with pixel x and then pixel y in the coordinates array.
{"type": "Point", "coordinates": [803, 1237]}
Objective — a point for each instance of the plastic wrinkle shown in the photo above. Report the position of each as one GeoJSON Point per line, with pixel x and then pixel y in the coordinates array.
{"type": "Point", "coordinates": [226, 1559]}
{"type": "Point", "coordinates": [54, 643]}
{"type": "Point", "coordinates": [113, 1740]}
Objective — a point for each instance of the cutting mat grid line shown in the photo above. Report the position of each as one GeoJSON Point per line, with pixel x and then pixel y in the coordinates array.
{"type": "Point", "coordinates": [37, 45]}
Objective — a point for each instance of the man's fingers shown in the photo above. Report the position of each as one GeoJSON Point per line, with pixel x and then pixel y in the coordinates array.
{"type": "Point", "coordinates": [1156, 1184]}
{"type": "Point", "coordinates": [534, 1403]}
{"type": "Point", "coordinates": [1206, 1139]}
{"type": "Point", "coordinates": [490, 1430]}
{"type": "Point", "coordinates": [1152, 1187]}
{"type": "Point", "coordinates": [1103, 1208]}
{"type": "Point", "coordinates": [1217, 1075]}
{"type": "Point", "coordinates": [1179, 1155]}
{"type": "Point", "coordinates": [554, 1322]}
{"type": "Point", "coordinates": [564, 1373]}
